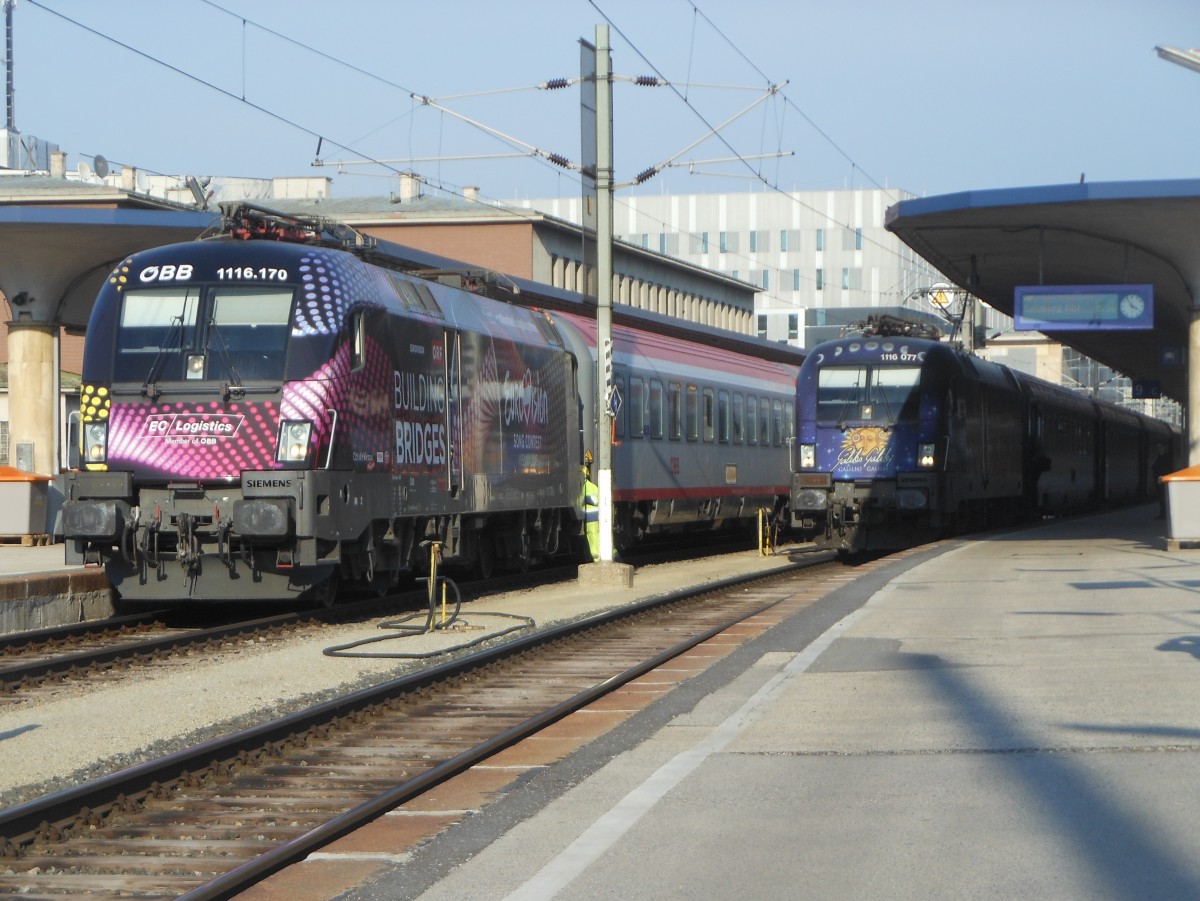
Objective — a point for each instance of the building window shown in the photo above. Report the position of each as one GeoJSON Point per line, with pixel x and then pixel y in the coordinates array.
{"type": "Point", "coordinates": [762, 326]}
{"type": "Point", "coordinates": [858, 239]}
{"type": "Point", "coordinates": [793, 326]}
{"type": "Point", "coordinates": [820, 239]}
{"type": "Point", "coordinates": [645, 241]}
{"type": "Point", "coordinates": [754, 242]}
{"type": "Point", "coordinates": [704, 242]}
{"type": "Point", "coordinates": [795, 279]}
{"type": "Point", "coordinates": [724, 245]}
{"type": "Point", "coordinates": [662, 243]}
{"type": "Point", "coordinates": [766, 279]}
{"type": "Point", "coordinates": [783, 240]}
{"type": "Point", "coordinates": [820, 279]}
{"type": "Point", "coordinates": [845, 279]}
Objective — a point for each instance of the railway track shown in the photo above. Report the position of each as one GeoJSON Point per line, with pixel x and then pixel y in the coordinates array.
{"type": "Point", "coordinates": [34, 661]}
{"type": "Point", "coordinates": [114, 646]}
{"type": "Point", "coordinates": [208, 821]}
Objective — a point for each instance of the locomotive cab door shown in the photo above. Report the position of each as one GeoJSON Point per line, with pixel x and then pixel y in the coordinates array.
{"type": "Point", "coordinates": [453, 374]}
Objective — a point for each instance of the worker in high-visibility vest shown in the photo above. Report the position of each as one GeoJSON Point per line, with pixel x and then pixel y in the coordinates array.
{"type": "Point", "coordinates": [591, 508]}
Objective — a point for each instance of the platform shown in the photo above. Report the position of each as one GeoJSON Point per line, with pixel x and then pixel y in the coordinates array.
{"type": "Point", "coordinates": [38, 590]}
{"type": "Point", "coordinates": [1013, 715]}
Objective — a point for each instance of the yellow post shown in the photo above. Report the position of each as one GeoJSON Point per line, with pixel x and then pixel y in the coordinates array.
{"type": "Point", "coordinates": [435, 550]}
{"type": "Point", "coordinates": [765, 545]}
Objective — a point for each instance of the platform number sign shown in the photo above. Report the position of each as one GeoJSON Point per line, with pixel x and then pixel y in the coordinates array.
{"type": "Point", "coordinates": [1147, 388]}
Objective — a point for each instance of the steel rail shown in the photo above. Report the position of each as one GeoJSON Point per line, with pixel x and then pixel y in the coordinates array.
{"type": "Point", "coordinates": [97, 797]}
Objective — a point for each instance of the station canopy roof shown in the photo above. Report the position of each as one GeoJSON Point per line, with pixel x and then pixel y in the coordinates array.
{"type": "Point", "coordinates": [990, 242]}
{"type": "Point", "coordinates": [61, 240]}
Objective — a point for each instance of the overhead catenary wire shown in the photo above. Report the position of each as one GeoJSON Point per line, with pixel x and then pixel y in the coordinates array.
{"type": "Point", "coordinates": [755, 175]}
{"type": "Point", "coordinates": [545, 157]}
{"type": "Point", "coordinates": [195, 78]}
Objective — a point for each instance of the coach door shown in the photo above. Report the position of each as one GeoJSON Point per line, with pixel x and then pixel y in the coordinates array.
{"type": "Point", "coordinates": [453, 364]}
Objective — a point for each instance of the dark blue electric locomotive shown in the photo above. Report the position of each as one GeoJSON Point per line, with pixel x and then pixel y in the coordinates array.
{"type": "Point", "coordinates": [904, 439]}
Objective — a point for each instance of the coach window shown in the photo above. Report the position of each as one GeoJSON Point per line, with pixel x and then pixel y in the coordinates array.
{"type": "Point", "coordinates": [637, 410]}
{"type": "Point", "coordinates": [656, 409]}
{"type": "Point", "coordinates": [692, 413]}
{"type": "Point", "coordinates": [764, 421]}
{"type": "Point", "coordinates": [751, 419]}
{"type": "Point", "coordinates": [739, 409]}
{"type": "Point", "coordinates": [708, 415]}
{"type": "Point", "coordinates": [723, 417]}
{"type": "Point", "coordinates": [777, 422]}
{"type": "Point", "coordinates": [674, 412]}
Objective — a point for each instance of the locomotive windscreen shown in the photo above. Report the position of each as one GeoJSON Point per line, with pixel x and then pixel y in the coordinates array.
{"type": "Point", "coordinates": [878, 394]}
{"type": "Point", "coordinates": [227, 333]}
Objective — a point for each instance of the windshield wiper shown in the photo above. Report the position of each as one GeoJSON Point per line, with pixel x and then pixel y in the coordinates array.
{"type": "Point", "coordinates": [234, 387]}
{"type": "Point", "coordinates": [150, 385]}
{"type": "Point", "coordinates": [851, 398]}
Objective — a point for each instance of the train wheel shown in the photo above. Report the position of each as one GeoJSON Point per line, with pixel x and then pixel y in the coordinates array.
{"type": "Point", "coordinates": [526, 552]}
{"type": "Point", "coordinates": [327, 592]}
{"type": "Point", "coordinates": [485, 556]}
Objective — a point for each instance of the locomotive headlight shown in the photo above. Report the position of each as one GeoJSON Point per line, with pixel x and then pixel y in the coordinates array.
{"type": "Point", "coordinates": [810, 500]}
{"type": "Point", "coordinates": [195, 366]}
{"type": "Point", "coordinates": [95, 442]}
{"type": "Point", "coordinates": [808, 456]}
{"type": "Point", "coordinates": [293, 441]}
{"type": "Point", "coordinates": [926, 456]}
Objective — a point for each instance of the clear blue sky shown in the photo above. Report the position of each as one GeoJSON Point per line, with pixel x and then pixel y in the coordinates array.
{"type": "Point", "coordinates": [931, 97]}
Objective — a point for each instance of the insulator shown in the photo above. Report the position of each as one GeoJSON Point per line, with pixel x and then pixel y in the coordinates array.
{"type": "Point", "coordinates": [645, 175]}
{"type": "Point", "coordinates": [648, 81]}
{"type": "Point", "coordinates": [559, 160]}
{"type": "Point", "coordinates": [555, 83]}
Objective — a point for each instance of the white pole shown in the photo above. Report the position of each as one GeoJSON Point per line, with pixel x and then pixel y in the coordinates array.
{"type": "Point", "coordinates": [604, 265]}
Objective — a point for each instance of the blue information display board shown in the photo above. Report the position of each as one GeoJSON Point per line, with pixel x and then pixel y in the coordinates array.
{"type": "Point", "coordinates": [1046, 308]}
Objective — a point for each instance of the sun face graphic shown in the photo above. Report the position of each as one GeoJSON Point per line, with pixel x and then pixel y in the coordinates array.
{"type": "Point", "coordinates": [868, 443]}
